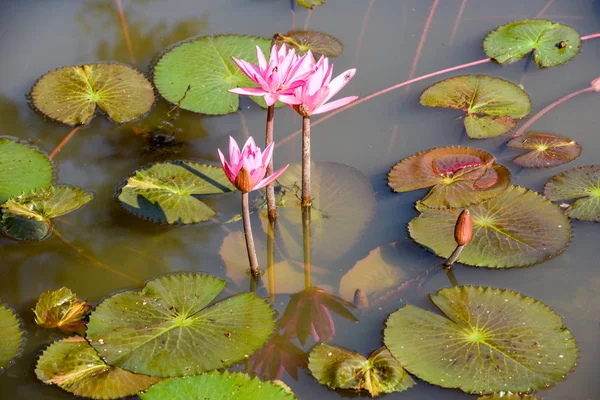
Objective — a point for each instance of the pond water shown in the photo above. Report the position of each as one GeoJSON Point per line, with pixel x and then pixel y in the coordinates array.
{"type": "Point", "coordinates": [104, 249]}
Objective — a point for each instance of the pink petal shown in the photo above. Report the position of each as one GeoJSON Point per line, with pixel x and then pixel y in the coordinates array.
{"type": "Point", "coordinates": [226, 168]}
{"type": "Point", "coordinates": [340, 81]}
{"type": "Point", "coordinates": [271, 98]}
{"type": "Point", "coordinates": [234, 151]}
{"type": "Point", "coordinates": [266, 157]}
{"type": "Point", "coordinates": [315, 101]}
{"type": "Point", "coordinates": [334, 104]}
{"type": "Point", "coordinates": [270, 179]}
{"type": "Point", "coordinates": [262, 62]}
{"type": "Point", "coordinates": [249, 148]}
{"type": "Point", "coordinates": [249, 91]}
{"type": "Point", "coordinates": [288, 99]}
{"type": "Point", "coordinates": [250, 70]}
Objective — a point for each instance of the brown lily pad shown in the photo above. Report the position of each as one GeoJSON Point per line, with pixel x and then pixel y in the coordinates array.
{"type": "Point", "coordinates": [546, 150]}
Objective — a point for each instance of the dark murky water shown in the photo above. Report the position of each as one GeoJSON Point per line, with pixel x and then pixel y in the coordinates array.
{"type": "Point", "coordinates": [381, 37]}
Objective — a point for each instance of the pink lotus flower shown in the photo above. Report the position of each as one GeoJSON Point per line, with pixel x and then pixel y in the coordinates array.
{"type": "Point", "coordinates": [246, 168]}
{"type": "Point", "coordinates": [312, 97]}
{"type": "Point", "coordinates": [277, 79]}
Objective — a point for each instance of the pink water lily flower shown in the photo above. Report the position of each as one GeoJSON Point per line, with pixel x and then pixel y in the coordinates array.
{"type": "Point", "coordinates": [313, 96]}
{"type": "Point", "coordinates": [278, 79]}
{"type": "Point", "coordinates": [246, 168]}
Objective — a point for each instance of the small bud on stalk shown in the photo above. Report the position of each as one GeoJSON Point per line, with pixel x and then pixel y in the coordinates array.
{"type": "Point", "coordinates": [463, 232]}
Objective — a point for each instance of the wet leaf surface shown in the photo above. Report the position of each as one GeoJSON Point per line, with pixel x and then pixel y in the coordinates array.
{"type": "Point", "coordinates": [12, 337]}
{"type": "Point", "coordinates": [581, 186]}
{"type": "Point", "coordinates": [318, 43]}
{"type": "Point", "coordinates": [547, 150]}
{"type": "Point", "coordinates": [61, 309]}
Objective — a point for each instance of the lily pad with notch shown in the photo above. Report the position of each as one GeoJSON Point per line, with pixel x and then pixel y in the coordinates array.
{"type": "Point", "coordinates": [318, 43]}
{"type": "Point", "coordinates": [551, 43]}
{"type": "Point", "coordinates": [28, 216]}
{"type": "Point", "coordinates": [460, 176]}
{"type": "Point", "coordinates": [217, 386]}
{"type": "Point", "coordinates": [61, 309]}
{"type": "Point", "coordinates": [71, 94]}
{"type": "Point", "coordinates": [489, 340]}
{"type": "Point", "coordinates": [546, 150]}
{"type": "Point", "coordinates": [339, 368]}
{"type": "Point", "coordinates": [12, 337]}
{"type": "Point", "coordinates": [170, 328]}
{"type": "Point", "coordinates": [516, 229]}
{"type": "Point", "coordinates": [581, 185]}
{"type": "Point", "coordinates": [492, 105]}
{"type": "Point", "coordinates": [169, 192]}
{"type": "Point", "coordinates": [73, 365]}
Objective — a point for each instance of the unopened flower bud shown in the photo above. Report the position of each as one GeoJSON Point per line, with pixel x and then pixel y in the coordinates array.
{"type": "Point", "coordinates": [243, 180]}
{"type": "Point", "coordinates": [463, 230]}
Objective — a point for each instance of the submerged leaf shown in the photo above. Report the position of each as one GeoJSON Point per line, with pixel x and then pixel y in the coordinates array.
{"type": "Point", "coordinates": [22, 168]}
{"type": "Point", "coordinates": [74, 366]}
{"type": "Point", "coordinates": [279, 354]}
{"type": "Point", "coordinates": [552, 43]}
{"type": "Point", "coordinates": [318, 43]}
{"type": "Point", "coordinates": [169, 327]}
{"type": "Point", "coordinates": [493, 105]}
{"type": "Point", "coordinates": [516, 229]}
{"type": "Point", "coordinates": [547, 150]}
{"type": "Point", "coordinates": [70, 94]}
{"type": "Point", "coordinates": [12, 336]}
{"type": "Point", "coordinates": [491, 340]}
{"type": "Point", "coordinates": [204, 65]}
{"type": "Point", "coordinates": [460, 176]}
{"type": "Point", "coordinates": [216, 386]}
{"type": "Point", "coordinates": [61, 309]}
{"type": "Point", "coordinates": [580, 185]}
{"type": "Point", "coordinates": [339, 368]}
{"type": "Point", "coordinates": [168, 192]}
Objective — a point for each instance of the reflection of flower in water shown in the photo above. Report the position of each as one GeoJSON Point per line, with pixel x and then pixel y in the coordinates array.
{"type": "Point", "coordinates": [309, 313]}
{"type": "Point", "coordinates": [277, 355]}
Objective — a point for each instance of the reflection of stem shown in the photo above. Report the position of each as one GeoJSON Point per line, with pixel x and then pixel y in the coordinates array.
{"type": "Point", "coordinates": [363, 29]}
{"type": "Point", "coordinates": [307, 247]}
{"type": "Point", "coordinates": [249, 239]}
{"type": "Point", "coordinates": [271, 186]}
{"type": "Point", "coordinates": [125, 31]}
{"type": "Point", "coordinates": [548, 108]}
{"type": "Point", "coordinates": [63, 142]}
{"type": "Point", "coordinates": [455, 254]}
{"type": "Point", "coordinates": [293, 8]}
{"type": "Point", "coordinates": [271, 260]}
{"type": "Point", "coordinates": [544, 9]}
{"type": "Point", "coordinates": [457, 21]}
{"type": "Point", "coordinates": [307, 20]}
{"type": "Point", "coordinates": [451, 277]}
{"type": "Point", "coordinates": [306, 162]}
{"type": "Point", "coordinates": [413, 68]}
{"type": "Point", "coordinates": [94, 261]}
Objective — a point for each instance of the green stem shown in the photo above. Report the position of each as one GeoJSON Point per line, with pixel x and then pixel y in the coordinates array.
{"type": "Point", "coordinates": [271, 205]}
{"type": "Point", "coordinates": [248, 235]}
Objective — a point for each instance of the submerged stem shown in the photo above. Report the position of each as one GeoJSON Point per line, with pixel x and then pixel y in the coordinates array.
{"type": "Point", "coordinates": [306, 202]}
{"type": "Point", "coordinates": [125, 31]}
{"type": "Point", "coordinates": [248, 235]}
{"type": "Point", "coordinates": [307, 247]}
{"type": "Point", "coordinates": [271, 206]}
{"type": "Point", "coordinates": [63, 142]}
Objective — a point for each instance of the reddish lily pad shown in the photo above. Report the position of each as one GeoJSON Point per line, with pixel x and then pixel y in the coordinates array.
{"type": "Point", "coordinates": [547, 150]}
{"type": "Point", "coordinates": [460, 176]}
{"type": "Point", "coordinates": [318, 43]}
{"type": "Point", "coordinates": [61, 309]}
{"type": "Point", "coordinates": [580, 185]}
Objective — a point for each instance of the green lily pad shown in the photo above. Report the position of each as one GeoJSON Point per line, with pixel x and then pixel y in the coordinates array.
{"type": "Point", "coordinates": [310, 3]}
{"type": "Point", "coordinates": [168, 192]}
{"type": "Point", "coordinates": [547, 150]}
{"type": "Point", "coordinates": [73, 365]}
{"type": "Point", "coordinates": [204, 64]}
{"type": "Point", "coordinates": [460, 176]}
{"type": "Point", "coordinates": [22, 168]}
{"type": "Point", "coordinates": [12, 337]}
{"type": "Point", "coordinates": [71, 94]}
{"type": "Point", "coordinates": [580, 185]}
{"type": "Point", "coordinates": [491, 340]}
{"type": "Point", "coordinates": [61, 309]}
{"type": "Point", "coordinates": [168, 328]}
{"type": "Point", "coordinates": [318, 43]}
{"type": "Point", "coordinates": [552, 43]}
{"type": "Point", "coordinates": [339, 368]}
{"type": "Point", "coordinates": [507, 396]}
{"type": "Point", "coordinates": [216, 386]}
{"type": "Point", "coordinates": [343, 203]}
{"type": "Point", "coordinates": [28, 216]}
{"type": "Point", "coordinates": [516, 229]}
{"type": "Point", "coordinates": [493, 105]}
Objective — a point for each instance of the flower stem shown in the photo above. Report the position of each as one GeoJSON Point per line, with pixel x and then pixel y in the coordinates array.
{"type": "Point", "coordinates": [307, 247]}
{"type": "Point", "coordinates": [271, 260]}
{"type": "Point", "coordinates": [125, 31]}
{"type": "Point", "coordinates": [63, 142]}
{"type": "Point", "coordinates": [548, 108]}
{"type": "Point", "coordinates": [271, 206]}
{"type": "Point", "coordinates": [306, 202]}
{"type": "Point", "coordinates": [248, 235]}
{"type": "Point", "coordinates": [452, 259]}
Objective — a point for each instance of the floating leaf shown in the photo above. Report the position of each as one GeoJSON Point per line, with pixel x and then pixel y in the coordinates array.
{"type": "Point", "coordinates": [168, 192]}
{"type": "Point", "coordinates": [580, 184]}
{"type": "Point", "coordinates": [216, 386]}
{"type": "Point", "coordinates": [204, 65]}
{"type": "Point", "coordinates": [493, 105]}
{"type": "Point", "coordinates": [27, 216]}
{"type": "Point", "coordinates": [552, 43]}
{"type": "Point", "coordinates": [70, 94]}
{"type": "Point", "coordinates": [310, 3]}
{"type": "Point", "coordinates": [339, 368]}
{"type": "Point", "coordinates": [169, 329]}
{"type": "Point", "coordinates": [74, 366]}
{"type": "Point", "coordinates": [12, 336]}
{"type": "Point", "coordinates": [460, 176]}
{"type": "Point", "coordinates": [492, 340]}
{"type": "Point", "coordinates": [547, 150]}
{"type": "Point", "coordinates": [61, 309]}
{"type": "Point", "coordinates": [507, 396]}
{"type": "Point", "coordinates": [516, 229]}
{"type": "Point", "coordinates": [343, 204]}
{"type": "Point", "coordinates": [318, 43]}
{"type": "Point", "coordinates": [22, 168]}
